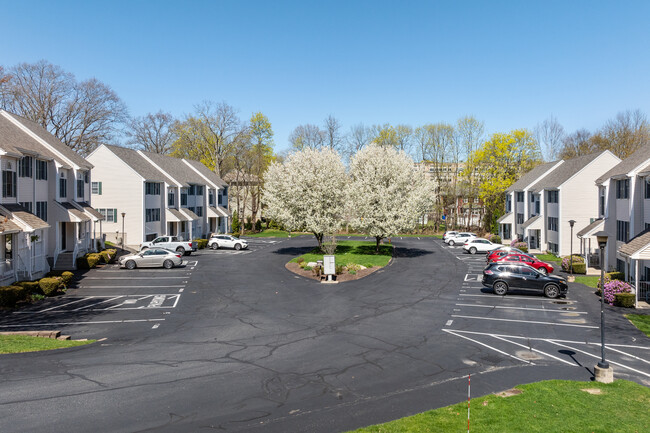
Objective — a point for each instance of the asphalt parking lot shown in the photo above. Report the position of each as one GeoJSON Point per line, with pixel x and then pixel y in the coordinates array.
{"type": "Point", "coordinates": [536, 330]}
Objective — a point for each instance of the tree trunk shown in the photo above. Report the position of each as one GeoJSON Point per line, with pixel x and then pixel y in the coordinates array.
{"type": "Point", "coordinates": [378, 238]}
{"type": "Point", "coordinates": [319, 238]}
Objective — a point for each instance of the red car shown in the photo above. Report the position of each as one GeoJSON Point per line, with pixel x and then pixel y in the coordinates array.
{"type": "Point", "coordinates": [500, 252]}
{"type": "Point", "coordinates": [541, 266]}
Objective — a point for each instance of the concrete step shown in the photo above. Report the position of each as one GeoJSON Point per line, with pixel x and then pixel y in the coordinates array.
{"type": "Point", "coordinates": [63, 337]}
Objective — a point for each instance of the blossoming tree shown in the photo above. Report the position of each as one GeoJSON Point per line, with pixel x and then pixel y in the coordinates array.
{"type": "Point", "coordinates": [307, 192]}
{"type": "Point", "coordinates": [386, 195]}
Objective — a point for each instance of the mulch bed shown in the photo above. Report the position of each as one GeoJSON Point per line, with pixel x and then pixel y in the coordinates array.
{"type": "Point", "coordinates": [296, 269]}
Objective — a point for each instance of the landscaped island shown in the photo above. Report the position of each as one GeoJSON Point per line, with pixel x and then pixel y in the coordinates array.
{"type": "Point", "coordinates": [354, 260]}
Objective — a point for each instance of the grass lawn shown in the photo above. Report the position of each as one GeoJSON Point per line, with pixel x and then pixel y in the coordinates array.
{"type": "Point", "coordinates": [549, 406]}
{"type": "Point", "coordinates": [26, 343]}
{"type": "Point", "coordinates": [548, 258]}
{"type": "Point", "coordinates": [591, 281]}
{"type": "Point", "coordinates": [359, 252]}
{"type": "Point", "coordinates": [641, 321]}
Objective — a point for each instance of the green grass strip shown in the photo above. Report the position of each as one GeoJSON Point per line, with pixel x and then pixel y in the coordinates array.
{"type": "Point", "coordinates": [549, 406]}
{"type": "Point", "coordinates": [641, 321]}
{"type": "Point", "coordinates": [590, 281]}
{"type": "Point", "coordinates": [26, 343]}
{"type": "Point", "coordinates": [359, 252]}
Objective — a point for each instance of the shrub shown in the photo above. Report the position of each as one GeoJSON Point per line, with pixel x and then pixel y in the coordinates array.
{"type": "Point", "coordinates": [50, 285]}
{"type": "Point", "coordinates": [495, 238]}
{"type": "Point", "coordinates": [9, 295]}
{"type": "Point", "coordinates": [307, 268]}
{"type": "Point", "coordinates": [258, 225]}
{"type": "Point", "coordinates": [353, 272]}
{"type": "Point", "coordinates": [353, 267]}
{"type": "Point", "coordinates": [566, 262]}
{"type": "Point", "coordinates": [625, 300]}
{"type": "Point", "coordinates": [67, 277]}
{"type": "Point", "coordinates": [368, 265]}
{"type": "Point", "coordinates": [598, 285]}
{"type": "Point", "coordinates": [616, 275]}
{"type": "Point", "coordinates": [201, 243]}
{"type": "Point", "coordinates": [300, 260]}
{"type": "Point", "coordinates": [104, 256]}
{"type": "Point", "coordinates": [523, 246]}
{"type": "Point", "coordinates": [579, 268]}
{"type": "Point", "coordinates": [88, 261]}
{"type": "Point", "coordinates": [339, 269]}
{"type": "Point", "coordinates": [317, 270]}
{"type": "Point", "coordinates": [30, 286]}
{"type": "Point", "coordinates": [112, 253]}
{"type": "Point", "coordinates": [614, 287]}
{"type": "Point", "coordinates": [235, 224]}
{"type": "Point", "coordinates": [248, 226]}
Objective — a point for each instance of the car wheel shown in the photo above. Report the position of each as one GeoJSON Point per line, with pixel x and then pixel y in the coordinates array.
{"type": "Point", "coordinates": [130, 264]}
{"type": "Point", "coordinates": [452, 243]}
{"type": "Point", "coordinates": [238, 247]}
{"type": "Point", "coordinates": [543, 271]}
{"type": "Point", "coordinates": [180, 250]}
{"type": "Point", "coordinates": [552, 291]}
{"type": "Point", "coordinates": [168, 264]}
{"type": "Point", "coordinates": [214, 246]}
{"type": "Point", "coordinates": [472, 250]}
{"type": "Point", "coordinates": [500, 288]}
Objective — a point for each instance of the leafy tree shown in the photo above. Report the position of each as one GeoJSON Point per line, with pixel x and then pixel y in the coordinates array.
{"type": "Point", "coordinates": [235, 225]}
{"type": "Point", "coordinates": [385, 135]}
{"type": "Point", "coordinates": [385, 195]}
{"type": "Point", "coordinates": [261, 155]}
{"type": "Point", "coordinates": [501, 160]}
{"type": "Point", "coordinates": [307, 137]}
{"type": "Point", "coordinates": [306, 192]}
{"type": "Point", "coordinates": [153, 132]}
{"type": "Point", "coordinates": [82, 114]}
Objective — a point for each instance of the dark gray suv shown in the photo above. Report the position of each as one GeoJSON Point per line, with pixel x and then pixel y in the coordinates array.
{"type": "Point", "coordinates": [504, 276]}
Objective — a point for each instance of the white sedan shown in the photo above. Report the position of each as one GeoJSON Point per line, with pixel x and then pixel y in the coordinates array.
{"type": "Point", "coordinates": [226, 241]}
{"type": "Point", "coordinates": [479, 245]}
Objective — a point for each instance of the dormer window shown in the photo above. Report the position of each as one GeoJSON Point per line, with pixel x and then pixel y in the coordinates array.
{"type": "Point", "coordinates": [623, 188]}
{"type": "Point", "coordinates": [25, 166]}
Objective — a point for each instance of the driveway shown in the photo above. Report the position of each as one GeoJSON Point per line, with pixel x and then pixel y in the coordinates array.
{"type": "Point", "coordinates": [249, 346]}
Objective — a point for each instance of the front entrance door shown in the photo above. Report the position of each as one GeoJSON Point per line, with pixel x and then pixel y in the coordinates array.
{"type": "Point", "coordinates": [63, 236]}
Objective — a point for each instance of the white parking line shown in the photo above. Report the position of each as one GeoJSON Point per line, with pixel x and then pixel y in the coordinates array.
{"type": "Point", "coordinates": [529, 298]}
{"type": "Point", "coordinates": [526, 321]}
{"type": "Point", "coordinates": [59, 306]}
{"type": "Point", "coordinates": [98, 322]}
{"type": "Point", "coordinates": [627, 354]}
{"type": "Point", "coordinates": [101, 302]}
{"type": "Point", "coordinates": [535, 350]}
{"type": "Point", "coordinates": [546, 310]}
{"type": "Point", "coordinates": [488, 346]}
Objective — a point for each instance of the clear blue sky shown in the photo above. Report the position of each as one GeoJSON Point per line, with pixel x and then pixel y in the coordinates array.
{"type": "Point", "coordinates": [509, 63]}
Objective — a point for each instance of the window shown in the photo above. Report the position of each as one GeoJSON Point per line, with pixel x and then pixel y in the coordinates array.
{"type": "Point", "coordinates": [520, 197]}
{"type": "Point", "coordinates": [620, 265]}
{"type": "Point", "coordinates": [8, 183]}
{"type": "Point", "coordinates": [199, 190]}
{"type": "Point", "coordinates": [552, 196]}
{"type": "Point", "coordinates": [211, 197]}
{"type": "Point", "coordinates": [80, 187]}
{"type": "Point", "coordinates": [506, 229]}
{"type": "Point", "coordinates": [41, 170]}
{"type": "Point", "coordinates": [171, 197]}
{"type": "Point", "coordinates": [152, 215]}
{"type": "Point", "coordinates": [537, 207]}
{"type": "Point", "coordinates": [520, 218]}
{"type": "Point", "coordinates": [27, 205]}
{"type": "Point", "coordinates": [601, 201]}
{"type": "Point", "coordinates": [109, 214]}
{"type": "Point", "coordinates": [41, 210]}
{"type": "Point", "coordinates": [25, 166]}
{"type": "Point", "coordinates": [552, 223]}
{"type": "Point", "coordinates": [623, 188]}
{"type": "Point", "coordinates": [552, 247]}
{"type": "Point", "coordinates": [63, 186]}
{"type": "Point", "coordinates": [96, 188]}
{"type": "Point", "coordinates": [191, 190]}
{"type": "Point", "coordinates": [622, 231]}
{"type": "Point", "coordinates": [647, 187]}
{"type": "Point", "coordinates": [86, 176]}
{"type": "Point", "coordinates": [183, 196]}
{"type": "Point", "coordinates": [199, 211]}
{"type": "Point", "coordinates": [508, 203]}
{"type": "Point", "coordinates": [152, 188]}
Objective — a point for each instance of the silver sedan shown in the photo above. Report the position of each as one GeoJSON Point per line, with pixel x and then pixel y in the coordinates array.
{"type": "Point", "coordinates": [150, 258]}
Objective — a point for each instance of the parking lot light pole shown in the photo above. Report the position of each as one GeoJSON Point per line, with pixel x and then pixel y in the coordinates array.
{"type": "Point", "coordinates": [123, 215]}
{"type": "Point", "coordinates": [602, 371]}
{"type": "Point", "coordinates": [571, 223]}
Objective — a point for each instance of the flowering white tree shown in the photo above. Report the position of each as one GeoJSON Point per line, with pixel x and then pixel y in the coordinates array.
{"type": "Point", "coordinates": [307, 192]}
{"type": "Point", "coordinates": [386, 195]}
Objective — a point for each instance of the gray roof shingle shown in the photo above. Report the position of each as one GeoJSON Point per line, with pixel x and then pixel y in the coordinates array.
{"type": "Point", "coordinates": [531, 176]}
{"type": "Point", "coordinates": [565, 171]}
{"type": "Point", "coordinates": [51, 140]}
{"type": "Point", "coordinates": [639, 242]}
{"type": "Point", "coordinates": [29, 218]}
{"type": "Point", "coordinates": [140, 165]}
{"type": "Point", "coordinates": [175, 168]}
{"type": "Point", "coordinates": [628, 164]}
{"type": "Point", "coordinates": [205, 171]}
{"type": "Point", "coordinates": [590, 227]}
{"type": "Point", "coordinates": [16, 142]}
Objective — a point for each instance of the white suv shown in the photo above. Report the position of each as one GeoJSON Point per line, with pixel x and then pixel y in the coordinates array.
{"type": "Point", "coordinates": [226, 241]}
{"type": "Point", "coordinates": [460, 238]}
{"type": "Point", "coordinates": [479, 245]}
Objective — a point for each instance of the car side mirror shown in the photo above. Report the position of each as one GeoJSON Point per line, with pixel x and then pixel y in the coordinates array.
{"type": "Point", "coordinates": [537, 276]}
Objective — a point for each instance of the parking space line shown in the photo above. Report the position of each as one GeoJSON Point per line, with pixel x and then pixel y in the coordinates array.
{"type": "Point", "coordinates": [535, 350]}
{"type": "Point", "coordinates": [98, 322]}
{"type": "Point", "coordinates": [598, 357]}
{"type": "Point", "coordinates": [489, 347]}
{"type": "Point", "coordinates": [100, 302]}
{"type": "Point", "coordinates": [626, 354]}
{"type": "Point", "coordinates": [515, 297]}
{"type": "Point", "coordinates": [69, 303]}
{"type": "Point", "coordinates": [526, 321]}
{"type": "Point", "coordinates": [546, 310]}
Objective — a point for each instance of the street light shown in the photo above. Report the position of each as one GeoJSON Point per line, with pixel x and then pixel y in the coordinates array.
{"type": "Point", "coordinates": [123, 215]}
{"type": "Point", "coordinates": [602, 372]}
{"type": "Point", "coordinates": [571, 223]}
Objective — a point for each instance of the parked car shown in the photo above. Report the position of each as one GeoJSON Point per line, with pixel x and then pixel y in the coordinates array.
{"type": "Point", "coordinates": [543, 267]}
{"type": "Point", "coordinates": [459, 238]}
{"type": "Point", "coordinates": [448, 234]}
{"type": "Point", "coordinates": [501, 277]}
{"type": "Point", "coordinates": [152, 258]}
{"type": "Point", "coordinates": [171, 243]}
{"type": "Point", "coordinates": [226, 241]}
{"type": "Point", "coordinates": [500, 252]}
{"type": "Point", "coordinates": [479, 245]}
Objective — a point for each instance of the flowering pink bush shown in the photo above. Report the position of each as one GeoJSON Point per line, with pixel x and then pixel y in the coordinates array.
{"type": "Point", "coordinates": [523, 246]}
{"type": "Point", "coordinates": [614, 287]}
{"type": "Point", "coordinates": [566, 262]}
{"type": "Point", "coordinates": [514, 241]}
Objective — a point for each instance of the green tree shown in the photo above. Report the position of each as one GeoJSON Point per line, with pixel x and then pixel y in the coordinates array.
{"type": "Point", "coordinates": [261, 154]}
{"type": "Point", "coordinates": [501, 160]}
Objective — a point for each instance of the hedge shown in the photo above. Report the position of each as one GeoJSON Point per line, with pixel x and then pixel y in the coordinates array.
{"type": "Point", "coordinates": [625, 300]}
{"type": "Point", "coordinates": [579, 268]}
{"type": "Point", "coordinates": [9, 295]}
{"type": "Point", "coordinates": [616, 275]}
{"type": "Point", "coordinates": [113, 254]}
{"type": "Point", "coordinates": [201, 243]}
{"type": "Point", "coordinates": [566, 262]}
{"type": "Point", "coordinates": [88, 261]}
{"type": "Point", "coordinates": [30, 286]}
{"type": "Point", "coordinates": [50, 285]}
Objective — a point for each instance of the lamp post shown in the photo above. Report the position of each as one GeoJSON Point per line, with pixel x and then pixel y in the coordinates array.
{"type": "Point", "coordinates": [571, 223]}
{"type": "Point", "coordinates": [602, 371]}
{"type": "Point", "coordinates": [123, 215]}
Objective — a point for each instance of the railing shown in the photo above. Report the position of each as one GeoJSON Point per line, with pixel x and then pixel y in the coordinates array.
{"type": "Point", "coordinates": [643, 290]}
{"type": "Point", "coordinates": [6, 267]}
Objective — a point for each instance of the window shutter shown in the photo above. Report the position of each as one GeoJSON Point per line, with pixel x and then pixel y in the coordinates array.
{"type": "Point", "coordinates": [100, 188]}
{"type": "Point", "coordinates": [115, 215]}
